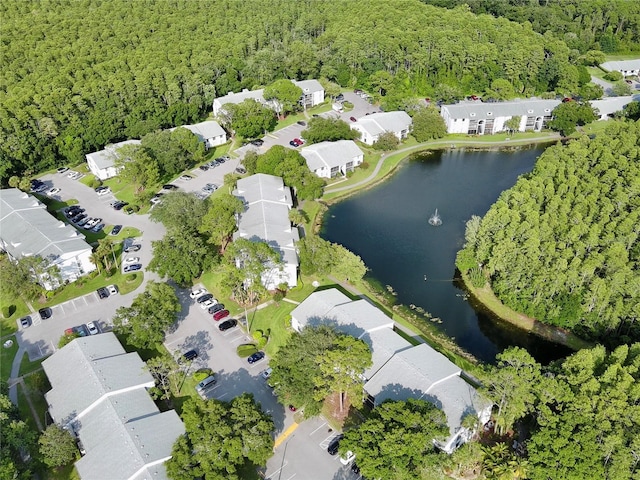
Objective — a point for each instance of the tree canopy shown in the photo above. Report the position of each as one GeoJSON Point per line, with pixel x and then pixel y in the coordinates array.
{"type": "Point", "coordinates": [395, 441]}
{"type": "Point", "coordinates": [220, 438]}
{"type": "Point", "coordinates": [57, 446]}
{"type": "Point", "coordinates": [319, 256]}
{"type": "Point", "coordinates": [150, 314]}
{"type": "Point", "coordinates": [69, 91]}
{"type": "Point", "coordinates": [428, 124]}
{"type": "Point", "coordinates": [285, 93]}
{"type": "Point", "coordinates": [251, 119]}
{"type": "Point", "coordinates": [568, 115]}
{"type": "Point", "coordinates": [322, 129]}
{"type": "Point", "coordinates": [17, 439]}
{"type": "Point", "coordinates": [562, 245]}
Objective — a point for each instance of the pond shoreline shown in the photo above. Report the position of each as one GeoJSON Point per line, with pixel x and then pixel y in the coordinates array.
{"type": "Point", "coordinates": [526, 324]}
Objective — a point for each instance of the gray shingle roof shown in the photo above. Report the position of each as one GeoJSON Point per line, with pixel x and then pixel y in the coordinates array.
{"type": "Point", "coordinates": [205, 130]}
{"type": "Point", "coordinates": [88, 368]}
{"type": "Point", "coordinates": [411, 374]}
{"type": "Point", "coordinates": [378, 123]}
{"type": "Point", "coordinates": [104, 389]}
{"type": "Point", "coordinates": [331, 307]}
{"type": "Point", "coordinates": [480, 110]}
{"type": "Point", "coordinates": [26, 228]}
{"type": "Point", "coordinates": [330, 154]}
{"type": "Point", "coordinates": [266, 217]}
{"type": "Point", "coordinates": [384, 344]}
{"type": "Point", "coordinates": [309, 86]}
{"type": "Point", "coordinates": [617, 65]}
{"type": "Point", "coordinates": [611, 105]}
{"type": "Point", "coordinates": [107, 157]}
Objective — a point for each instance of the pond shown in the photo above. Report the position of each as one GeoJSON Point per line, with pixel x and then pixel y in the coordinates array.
{"type": "Point", "coordinates": [388, 226]}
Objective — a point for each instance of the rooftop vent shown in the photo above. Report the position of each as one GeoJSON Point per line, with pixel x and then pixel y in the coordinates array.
{"type": "Point", "coordinates": [472, 114]}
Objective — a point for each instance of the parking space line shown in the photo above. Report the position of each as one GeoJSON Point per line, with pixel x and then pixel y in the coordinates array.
{"type": "Point", "coordinates": [321, 426]}
{"type": "Point", "coordinates": [325, 443]}
{"type": "Point", "coordinates": [277, 471]}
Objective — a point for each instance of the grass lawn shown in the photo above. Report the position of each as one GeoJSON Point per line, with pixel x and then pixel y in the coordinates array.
{"type": "Point", "coordinates": [594, 127]}
{"type": "Point", "coordinates": [6, 359]}
{"type": "Point", "coordinates": [311, 208]}
{"type": "Point", "coordinates": [27, 366]}
{"type": "Point", "coordinates": [597, 72]}
{"type": "Point", "coordinates": [9, 325]}
{"type": "Point", "coordinates": [290, 120]}
{"type": "Point", "coordinates": [273, 320]}
{"type": "Point", "coordinates": [626, 56]}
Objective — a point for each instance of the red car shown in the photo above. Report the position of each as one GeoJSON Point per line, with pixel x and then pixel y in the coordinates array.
{"type": "Point", "coordinates": [220, 315]}
{"type": "Point", "coordinates": [298, 141]}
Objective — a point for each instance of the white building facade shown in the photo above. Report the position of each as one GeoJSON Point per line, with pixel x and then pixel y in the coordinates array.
{"type": "Point", "coordinates": [266, 219]}
{"type": "Point", "coordinates": [372, 126]}
{"type": "Point", "coordinates": [28, 230]}
{"type": "Point", "coordinates": [478, 118]}
{"type": "Point", "coordinates": [330, 159]}
{"type": "Point", "coordinates": [103, 163]}
{"type": "Point", "coordinates": [210, 133]}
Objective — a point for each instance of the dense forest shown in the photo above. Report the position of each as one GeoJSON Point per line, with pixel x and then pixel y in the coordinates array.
{"type": "Point", "coordinates": [607, 25]}
{"type": "Point", "coordinates": [563, 244]}
{"type": "Point", "coordinates": [79, 75]}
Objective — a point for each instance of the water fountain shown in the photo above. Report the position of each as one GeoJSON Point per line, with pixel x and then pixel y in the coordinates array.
{"type": "Point", "coordinates": [435, 219]}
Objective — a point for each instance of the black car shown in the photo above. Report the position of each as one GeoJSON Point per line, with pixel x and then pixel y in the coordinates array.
{"type": "Point", "coordinates": [169, 186]}
{"type": "Point", "coordinates": [255, 357]}
{"type": "Point", "coordinates": [293, 144]}
{"type": "Point", "coordinates": [334, 444]}
{"type": "Point", "coordinates": [119, 205]}
{"type": "Point", "coordinates": [204, 298]}
{"type": "Point", "coordinates": [257, 142]}
{"type": "Point", "coordinates": [132, 268]}
{"type": "Point", "coordinates": [190, 355]}
{"type": "Point", "coordinates": [301, 123]}
{"type": "Point", "coordinates": [45, 313]}
{"type": "Point", "coordinates": [241, 170]}
{"type": "Point", "coordinates": [227, 324]}
{"type": "Point", "coordinates": [78, 217]}
{"type": "Point", "coordinates": [216, 308]}
{"type": "Point", "coordinates": [204, 168]}
{"type": "Point", "coordinates": [102, 292]}
{"type": "Point", "coordinates": [355, 468]}
{"type": "Point", "coordinates": [116, 229]}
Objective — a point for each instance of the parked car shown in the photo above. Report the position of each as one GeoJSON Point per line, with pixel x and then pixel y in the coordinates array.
{"type": "Point", "coordinates": [116, 229]}
{"type": "Point", "coordinates": [53, 191]}
{"type": "Point", "coordinates": [206, 304]}
{"type": "Point", "coordinates": [190, 355]}
{"type": "Point", "coordinates": [102, 292]}
{"type": "Point", "coordinates": [93, 328]}
{"type": "Point", "coordinates": [118, 205]}
{"type": "Point", "coordinates": [220, 315]}
{"type": "Point", "coordinates": [197, 293]}
{"type": "Point", "coordinates": [170, 186]}
{"type": "Point", "coordinates": [62, 169]}
{"type": "Point", "coordinates": [98, 227]}
{"type": "Point", "coordinates": [210, 187]}
{"type": "Point", "coordinates": [204, 167]}
{"type": "Point", "coordinates": [71, 174]}
{"type": "Point", "coordinates": [185, 177]}
{"type": "Point", "coordinates": [334, 444]}
{"type": "Point", "coordinates": [157, 198]}
{"type": "Point", "coordinates": [25, 321]}
{"type": "Point", "coordinates": [81, 330]}
{"type": "Point", "coordinates": [82, 220]}
{"type": "Point", "coordinates": [206, 383]}
{"type": "Point", "coordinates": [241, 170]}
{"type": "Point", "coordinates": [256, 357]}
{"type": "Point", "coordinates": [134, 247]}
{"type": "Point", "coordinates": [292, 408]}
{"type": "Point", "coordinates": [132, 268]}
{"type": "Point", "coordinates": [347, 458]}
{"type": "Point", "coordinates": [45, 313]}
{"type": "Point", "coordinates": [293, 144]}
{"type": "Point", "coordinates": [301, 123]}
{"type": "Point", "coordinates": [113, 290]}
{"type": "Point", "coordinates": [103, 190]}
{"type": "Point", "coordinates": [204, 298]}
{"type": "Point", "coordinates": [216, 308]}
{"type": "Point", "coordinates": [299, 141]}
{"type": "Point", "coordinates": [227, 325]}
{"type": "Point", "coordinates": [353, 119]}
{"type": "Point", "coordinates": [257, 142]}
{"type": "Point", "coordinates": [130, 260]}
{"type": "Point", "coordinates": [266, 373]}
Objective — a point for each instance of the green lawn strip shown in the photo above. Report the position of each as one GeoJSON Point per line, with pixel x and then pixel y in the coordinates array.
{"type": "Point", "coordinates": [312, 208]}
{"type": "Point", "coordinates": [6, 358]}
{"type": "Point", "coordinates": [25, 411]}
{"type": "Point", "coordinates": [304, 288]}
{"type": "Point", "coordinates": [9, 325]}
{"type": "Point", "coordinates": [89, 180]}
{"type": "Point", "coordinates": [86, 285]}
{"type": "Point", "coordinates": [622, 56]}
{"type": "Point", "coordinates": [290, 120]}
{"type": "Point", "coordinates": [322, 108]}
{"type": "Point", "coordinates": [27, 366]}
{"type": "Point", "coordinates": [273, 321]}
{"type": "Point", "coordinates": [66, 472]}
{"type": "Point", "coordinates": [597, 72]}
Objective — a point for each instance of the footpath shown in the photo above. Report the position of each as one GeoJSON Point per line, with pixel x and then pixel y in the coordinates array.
{"type": "Point", "coordinates": [437, 143]}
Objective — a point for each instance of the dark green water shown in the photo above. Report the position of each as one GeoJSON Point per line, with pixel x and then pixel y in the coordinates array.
{"type": "Point", "coordinates": [388, 227]}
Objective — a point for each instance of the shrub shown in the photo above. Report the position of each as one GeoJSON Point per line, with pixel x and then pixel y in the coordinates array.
{"type": "Point", "coordinates": [246, 349]}
{"type": "Point", "coordinates": [387, 142]}
{"type": "Point", "coordinates": [613, 76]}
{"type": "Point", "coordinates": [364, 165]}
{"type": "Point", "coordinates": [131, 277]}
{"type": "Point", "coordinates": [202, 374]}
{"type": "Point", "coordinates": [278, 296]}
{"type": "Point", "coordinates": [95, 183]}
{"type": "Point", "coordinates": [477, 278]}
{"type": "Point", "coordinates": [8, 310]}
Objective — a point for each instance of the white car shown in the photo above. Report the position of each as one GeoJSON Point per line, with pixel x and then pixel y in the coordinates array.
{"type": "Point", "coordinates": [93, 328]}
{"type": "Point", "coordinates": [348, 458]}
{"type": "Point", "coordinates": [103, 191]}
{"type": "Point", "coordinates": [131, 260]}
{"type": "Point", "coordinates": [197, 293]}
{"type": "Point", "coordinates": [208, 303]}
{"type": "Point", "coordinates": [113, 290]}
{"type": "Point", "coordinates": [53, 191]}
